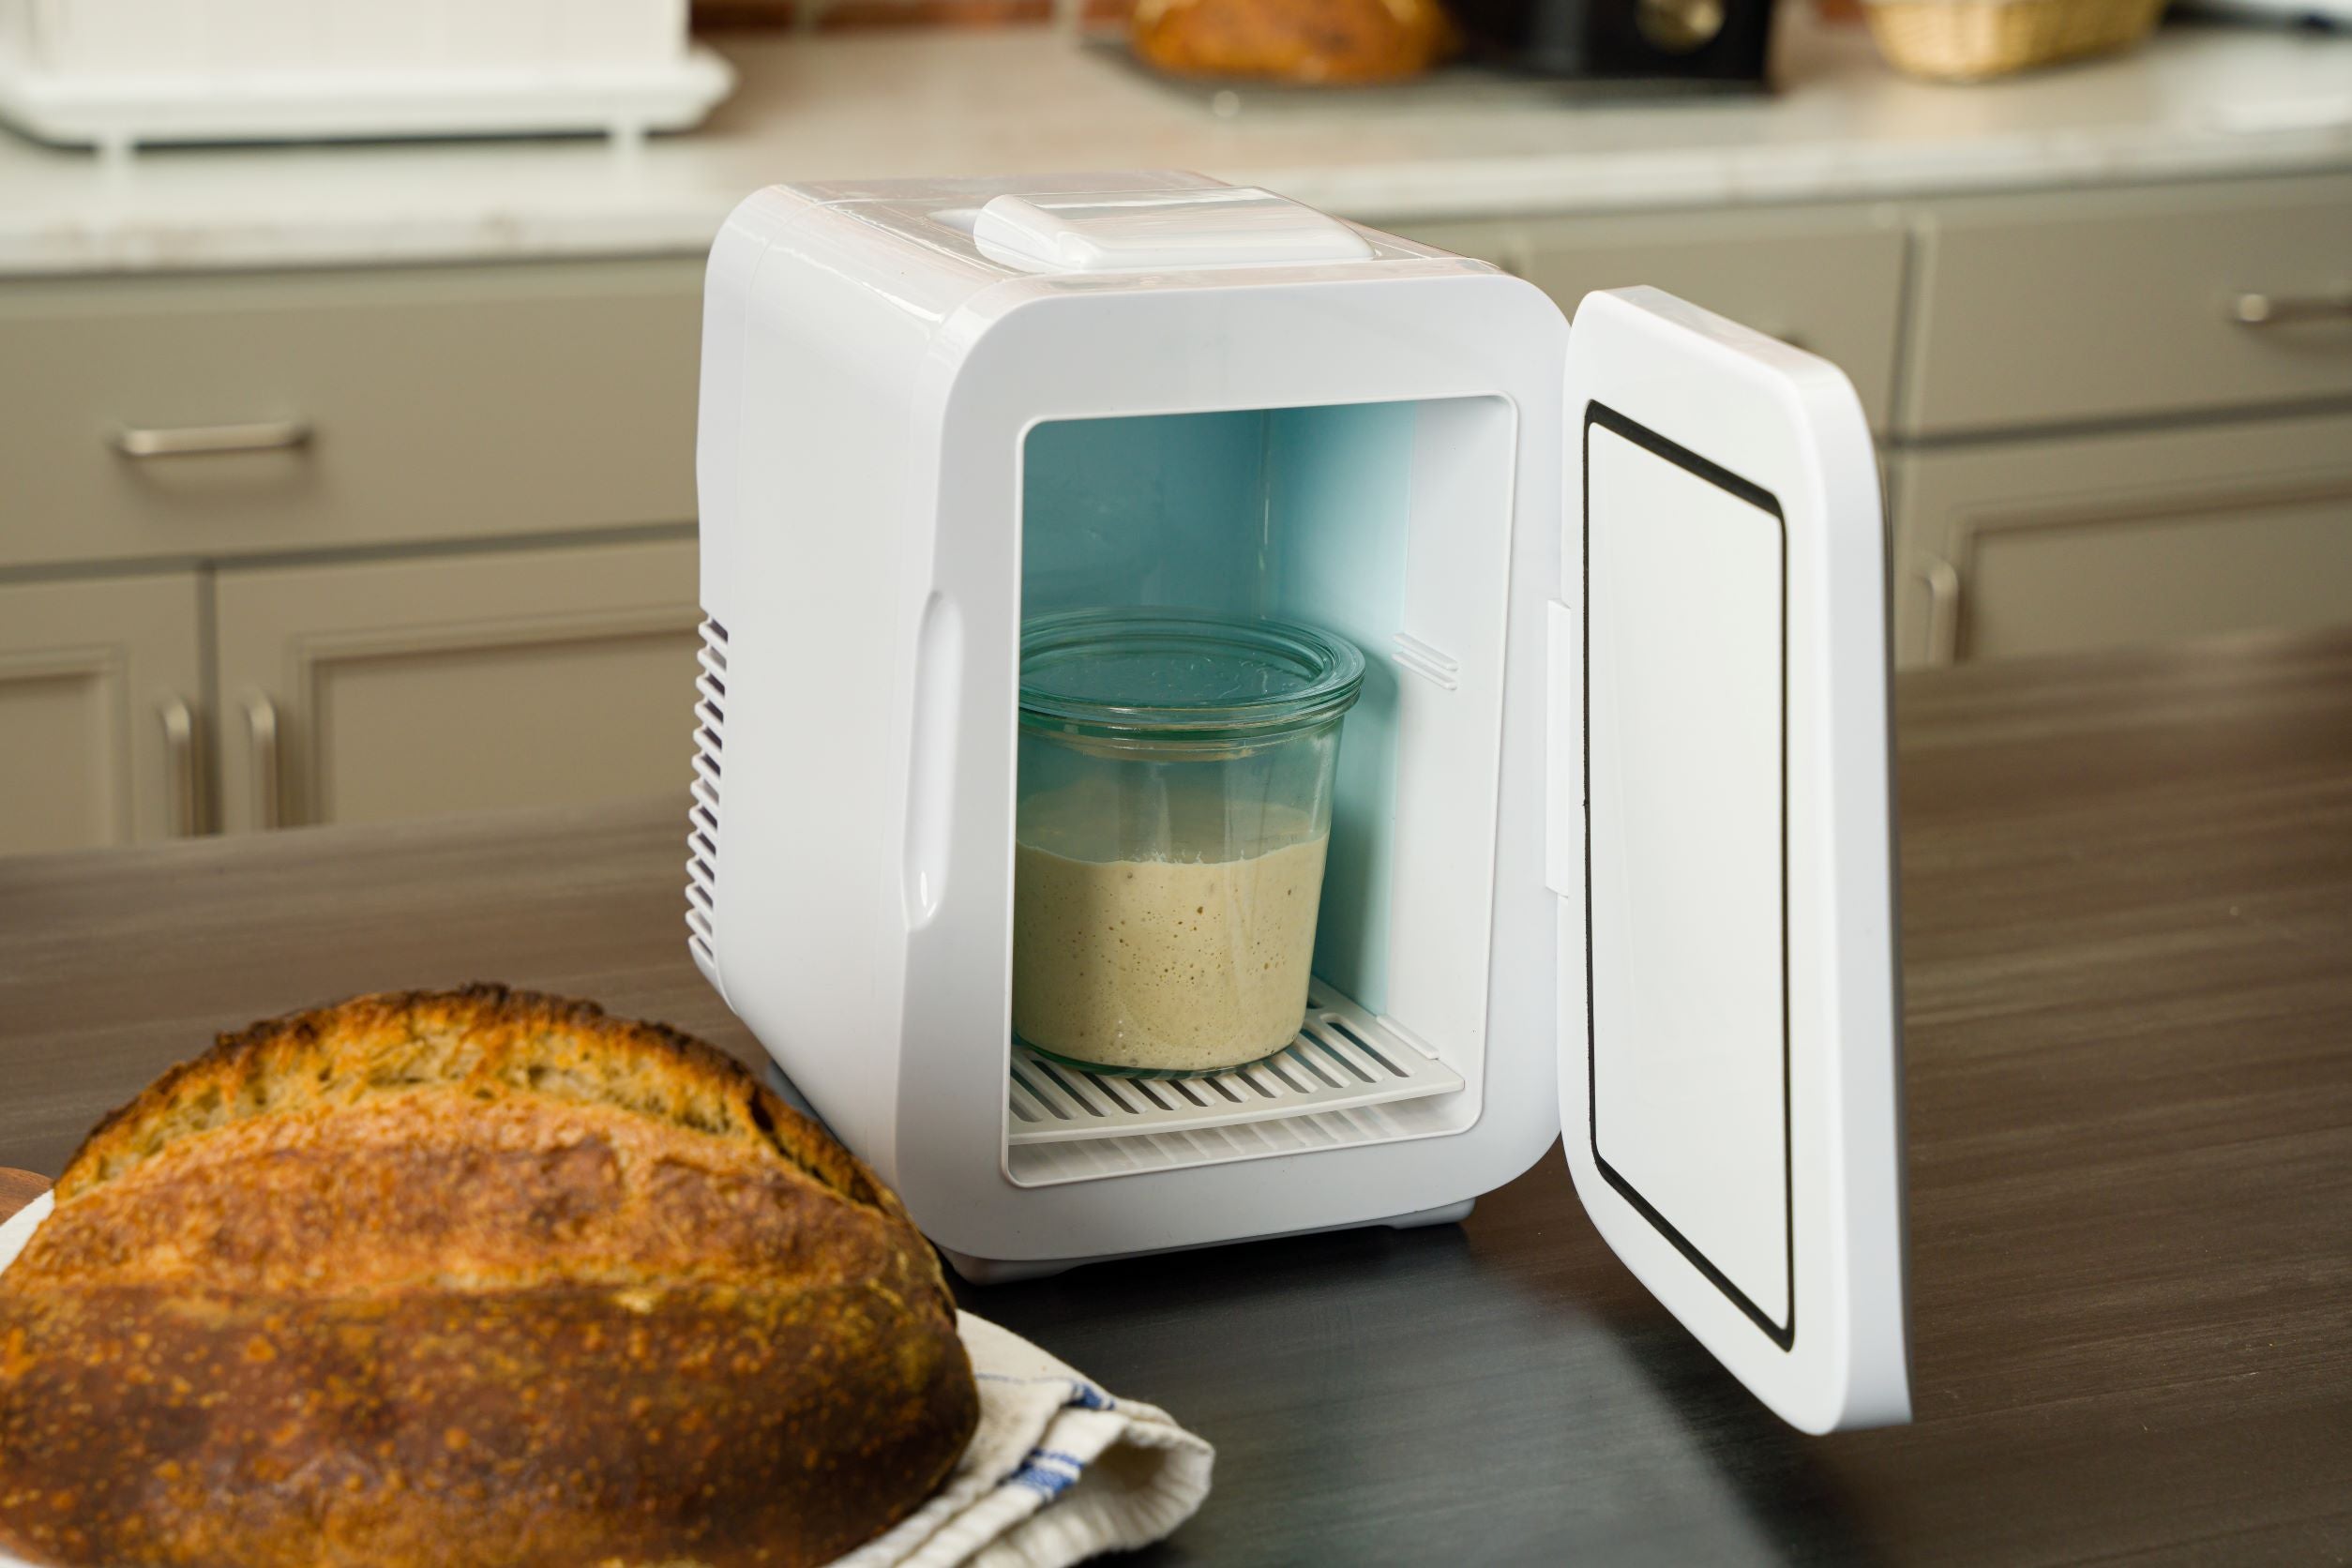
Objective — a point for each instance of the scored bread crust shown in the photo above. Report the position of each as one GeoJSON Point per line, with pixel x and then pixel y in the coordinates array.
{"type": "Point", "coordinates": [470, 1277]}
{"type": "Point", "coordinates": [488, 1034]}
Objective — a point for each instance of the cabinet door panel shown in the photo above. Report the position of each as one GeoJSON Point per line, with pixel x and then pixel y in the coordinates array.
{"type": "Point", "coordinates": [2052, 546]}
{"type": "Point", "coordinates": [401, 688]}
{"type": "Point", "coordinates": [87, 671]}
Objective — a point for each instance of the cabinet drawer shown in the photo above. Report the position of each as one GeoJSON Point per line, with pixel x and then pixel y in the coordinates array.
{"type": "Point", "coordinates": [398, 688]}
{"type": "Point", "coordinates": [2037, 311]}
{"type": "Point", "coordinates": [439, 403]}
{"type": "Point", "coordinates": [2044, 547]}
{"type": "Point", "coordinates": [1830, 281]}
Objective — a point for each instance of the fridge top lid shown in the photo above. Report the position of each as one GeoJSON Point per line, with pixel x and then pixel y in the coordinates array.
{"type": "Point", "coordinates": [1079, 233]}
{"type": "Point", "coordinates": [1140, 230]}
{"type": "Point", "coordinates": [975, 190]}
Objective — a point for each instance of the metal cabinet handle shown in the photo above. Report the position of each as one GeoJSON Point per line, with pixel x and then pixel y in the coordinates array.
{"type": "Point", "coordinates": [2262, 309]}
{"type": "Point", "coordinates": [186, 441]}
{"type": "Point", "coordinates": [1943, 610]}
{"type": "Point", "coordinates": [179, 763]}
{"type": "Point", "coordinates": [260, 730]}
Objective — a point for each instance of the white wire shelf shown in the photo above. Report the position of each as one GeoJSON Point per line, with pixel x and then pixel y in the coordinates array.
{"type": "Point", "coordinates": [1343, 1058]}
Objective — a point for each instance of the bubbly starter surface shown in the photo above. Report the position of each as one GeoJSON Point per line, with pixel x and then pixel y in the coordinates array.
{"type": "Point", "coordinates": [1165, 965]}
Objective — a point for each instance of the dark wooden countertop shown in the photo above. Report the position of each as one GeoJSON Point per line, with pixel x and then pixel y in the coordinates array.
{"type": "Point", "coordinates": [2128, 971]}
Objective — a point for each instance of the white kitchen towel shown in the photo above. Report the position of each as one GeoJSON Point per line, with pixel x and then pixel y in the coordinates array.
{"type": "Point", "coordinates": [1057, 1472]}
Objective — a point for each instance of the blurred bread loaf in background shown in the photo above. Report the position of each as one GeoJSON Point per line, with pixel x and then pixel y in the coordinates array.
{"type": "Point", "coordinates": [1304, 41]}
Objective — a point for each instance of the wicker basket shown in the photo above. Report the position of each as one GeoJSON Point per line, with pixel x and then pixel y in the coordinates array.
{"type": "Point", "coordinates": [1965, 40]}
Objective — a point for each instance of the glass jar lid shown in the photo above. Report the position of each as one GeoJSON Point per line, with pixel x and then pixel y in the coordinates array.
{"type": "Point", "coordinates": [1181, 672]}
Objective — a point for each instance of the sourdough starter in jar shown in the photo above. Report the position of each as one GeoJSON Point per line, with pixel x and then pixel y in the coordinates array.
{"type": "Point", "coordinates": [1172, 816]}
{"type": "Point", "coordinates": [1175, 966]}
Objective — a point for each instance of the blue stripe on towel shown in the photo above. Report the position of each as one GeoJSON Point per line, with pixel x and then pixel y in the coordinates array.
{"type": "Point", "coordinates": [1046, 1484]}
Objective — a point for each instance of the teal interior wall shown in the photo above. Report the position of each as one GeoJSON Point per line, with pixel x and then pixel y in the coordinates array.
{"type": "Point", "coordinates": [1339, 483]}
{"type": "Point", "coordinates": [1164, 510]}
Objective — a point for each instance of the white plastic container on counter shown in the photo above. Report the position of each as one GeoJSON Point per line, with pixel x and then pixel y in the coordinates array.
{"type": "Point", "coordinates": [117, 73]}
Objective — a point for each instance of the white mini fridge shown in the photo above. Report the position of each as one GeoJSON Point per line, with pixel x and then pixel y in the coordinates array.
{"type": "Point", "coordinates": [1610, 850]}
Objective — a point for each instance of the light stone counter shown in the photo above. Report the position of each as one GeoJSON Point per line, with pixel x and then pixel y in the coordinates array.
{"type": "Point", "coordinates": [2199, 101]}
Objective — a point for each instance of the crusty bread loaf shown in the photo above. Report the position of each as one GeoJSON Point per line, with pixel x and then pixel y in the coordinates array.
{"type": "Point", "coordinates": [1305, 41]}
{"type": "Point", "coordinates": [471, 1277]}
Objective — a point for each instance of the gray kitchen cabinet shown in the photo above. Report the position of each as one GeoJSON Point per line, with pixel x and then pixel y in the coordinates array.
{"type": "Point", "coordinates": [379, 690]}
{"type": "Point", "coordinates": [328, 461]}
{"type": "Point", "coordinates": [2053, 545]}
{"type": "Point", "coordinates": [344, 544]}
{"type": "Point", "coordinates": [101, 692]}
{"type": "Point", "coordinates": [2012, 352]}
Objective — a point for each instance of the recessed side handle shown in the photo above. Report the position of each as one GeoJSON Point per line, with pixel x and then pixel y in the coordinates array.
{"type": "Point", "coordinates": [939, 678]}
{"type": "Point", "coordinates": [260, 732]}
{"type": "Point", "coordinates": [2263, 309]}
{"type": "Point", "coordinates": [191, 441]}
{"type": "Point", "coordinates": [1943, 610]}
{"type": "Point", "coordinates": [180, 766]}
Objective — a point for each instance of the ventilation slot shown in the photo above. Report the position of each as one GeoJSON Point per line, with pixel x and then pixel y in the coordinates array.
{"type": "Point", "coordinates": [1344, 1060]}
{"type": "Point", "coordinates": [710, 741]}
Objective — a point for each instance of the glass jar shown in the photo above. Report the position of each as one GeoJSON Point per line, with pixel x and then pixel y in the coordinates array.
{"type": "Point", "coordinates": [1175, 791]}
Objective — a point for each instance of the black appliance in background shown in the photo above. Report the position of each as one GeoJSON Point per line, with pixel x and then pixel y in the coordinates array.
{"type": "Point", "coordinates": [1700, 42]}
